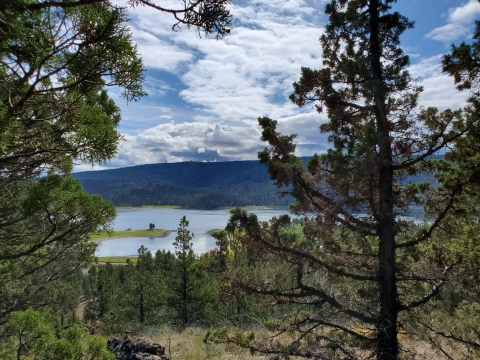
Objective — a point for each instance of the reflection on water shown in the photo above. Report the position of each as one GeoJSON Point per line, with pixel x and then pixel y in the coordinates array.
{"type": "Point", "coordinates": [201, 221]}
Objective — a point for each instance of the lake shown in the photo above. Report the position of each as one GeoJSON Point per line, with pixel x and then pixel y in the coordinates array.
{"type": "Point", "coordinates": [201, 221]}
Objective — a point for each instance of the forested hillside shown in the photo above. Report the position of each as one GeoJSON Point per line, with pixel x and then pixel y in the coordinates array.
{"type": "Point", "coordinates": [190, 184]}
{"type": "Point", "coordinates": [193, 184]}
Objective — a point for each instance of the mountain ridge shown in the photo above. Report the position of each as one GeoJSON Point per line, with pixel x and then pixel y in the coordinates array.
{"type": "Point", "coordinates": [187, 184]}
{"type": "Point", "coordinates": [196, 185]}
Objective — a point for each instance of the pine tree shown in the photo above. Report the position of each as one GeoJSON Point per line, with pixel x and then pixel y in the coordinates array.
{"type": "Point", "coordinates": [143, 290]}
{"type": "Point", "coordinates": [359, 280]}
{"type": "Point", "coordinates": [185, 258]}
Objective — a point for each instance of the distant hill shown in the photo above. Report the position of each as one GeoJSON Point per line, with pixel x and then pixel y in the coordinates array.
{"type": "Point", "coordinates": [193, 184]}
{"type": "Point", "coordinates": [188, 184]}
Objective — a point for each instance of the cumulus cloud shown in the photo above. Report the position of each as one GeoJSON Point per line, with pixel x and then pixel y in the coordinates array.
{"type": "Point", "coordinates": [439, 90]}
{"type": "Point", "coordinates": [448, 32]}
{"type": "Point", "coordinates": [226, 84]}
{"type": "Point", "coordinates": [188, 141]}
{"type": "Point", "coordinates": [465, 13]}
{"type": "Point", "coordinates": [459, 23]}
{"type": "Point", "coordinates": [157, 53]}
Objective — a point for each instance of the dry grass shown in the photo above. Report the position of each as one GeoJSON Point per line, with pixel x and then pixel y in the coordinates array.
{"type": "Point", "coordinates": [189, 345]}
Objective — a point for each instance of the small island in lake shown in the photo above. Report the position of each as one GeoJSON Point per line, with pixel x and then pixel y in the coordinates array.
{"type": "Point", "coordinates": [149, 233]}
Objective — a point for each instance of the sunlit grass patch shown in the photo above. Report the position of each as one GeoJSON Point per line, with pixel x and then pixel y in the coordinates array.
{"type": "Point", "coordinates": [117, 259]}
{"type": "Point", "coordinates": [153, 233]}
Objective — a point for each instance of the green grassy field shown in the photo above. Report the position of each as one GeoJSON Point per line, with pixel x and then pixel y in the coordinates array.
{"type": "Point", "coordinates": [117, 259]}
{"type": "Point", "coordinates": [154, 233]}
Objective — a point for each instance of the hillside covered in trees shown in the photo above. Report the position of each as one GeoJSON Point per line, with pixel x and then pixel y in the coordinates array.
{"type": "Point", "coordinates": [190, 184]}
{"type": "Point", "coordinates": [196, 185]}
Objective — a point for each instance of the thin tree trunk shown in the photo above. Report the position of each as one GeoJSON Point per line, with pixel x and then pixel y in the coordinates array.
{"type": "Point", "coordinates": [185, 300]}
{"type": "Point", "coordinates": [142, 308]}
{"type": "Point", "coordinates": [387, 325]}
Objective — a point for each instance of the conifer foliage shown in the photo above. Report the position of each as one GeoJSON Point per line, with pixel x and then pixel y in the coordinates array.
{"type": "Point", "coordinates": [360, 280]}
{"type": "Point", "coordinates": [186, 257]}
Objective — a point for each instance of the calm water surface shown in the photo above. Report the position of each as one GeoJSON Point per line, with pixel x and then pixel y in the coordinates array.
{"type": "Point", "coordinates": [201, 221]}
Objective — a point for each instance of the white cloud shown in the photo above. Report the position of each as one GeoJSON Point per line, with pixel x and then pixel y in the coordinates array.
{"type": "Point", "coordinates": [465, 13]}
{"type": "Point", "coordinates": [439, 90]}
{"type": "Point", "coordinates": [228, 83]}
{"type": "Point", "coordinates": [155, 87]}
{"type": "Point", "coordinates": [159, 54]}
{"type": "Point", "coordinates": [448, 32]}
{"type": "Point", "coordinates": [187, 141]}
{"type": "Point", "coordinates": [231, 82]}
{"type": "Point", "coordinates": [459, 24]}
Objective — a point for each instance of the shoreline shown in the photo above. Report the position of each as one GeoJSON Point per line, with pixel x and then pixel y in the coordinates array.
{"type": "Point", "coordinates": [255, 207]}
{"type": "Point", "coordinates": [177, 207]}
{"type": "Point", "coordinates": [148, 207]}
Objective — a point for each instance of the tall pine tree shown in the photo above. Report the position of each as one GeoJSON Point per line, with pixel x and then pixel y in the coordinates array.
{"type": "Point", "coordinates": [185, 258]}
{"type": "Point", "coordinates": [360, 280]}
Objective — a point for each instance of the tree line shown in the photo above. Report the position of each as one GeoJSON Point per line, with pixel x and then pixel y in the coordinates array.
{"type": "Point", "coordinates": [162, 288]}
{"type": "Point", "coordinates": [180, 289]}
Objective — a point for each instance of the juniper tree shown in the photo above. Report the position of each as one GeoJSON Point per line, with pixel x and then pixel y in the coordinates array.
{"type": "Point", "coordinates": [44, 226]}
{"type": "Point", "coordinates": [367, 271]}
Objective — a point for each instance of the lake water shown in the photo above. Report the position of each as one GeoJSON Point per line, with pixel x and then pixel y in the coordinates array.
{"type": "Point", "coordinates": [201, 221]}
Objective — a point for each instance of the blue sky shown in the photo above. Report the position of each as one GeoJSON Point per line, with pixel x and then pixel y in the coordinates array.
{"type": "Point", "coordinates": [205, 95]}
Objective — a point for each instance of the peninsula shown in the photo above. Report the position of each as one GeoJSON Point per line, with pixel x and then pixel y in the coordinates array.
{"type": "Point", "coordinates": [148, 233]}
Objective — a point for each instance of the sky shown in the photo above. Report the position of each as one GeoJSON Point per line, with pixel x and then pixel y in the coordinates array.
{"type": "Point", "coordinates": [205, 95]}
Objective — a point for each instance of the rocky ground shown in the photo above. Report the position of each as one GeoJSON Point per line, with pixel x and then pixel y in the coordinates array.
{"type": "Point", "coordinates": [127, 348]}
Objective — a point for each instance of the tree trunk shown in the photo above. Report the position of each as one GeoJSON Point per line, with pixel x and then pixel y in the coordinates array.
{"type": "Point", "coordinates": [142, 307]}
{"type": "Point", "coordinates": [184, 295]}
{"type": "Point", "coordinates": [387, 343]}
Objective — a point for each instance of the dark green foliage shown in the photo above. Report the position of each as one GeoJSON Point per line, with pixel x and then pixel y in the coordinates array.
{"type": "Point", "coordinates": [194, 185]}
{"type": "Point", "coordinates": [54, 113]}
{"type": "Point", "coordinates": [209, 16]}
{"type": "Point", "coordinates": [52, 69]}
{"type": "Point", "coordinates": [464, 63]}
{"type": "Point", "coordinates": [44, 230]}
{"type": "Point", "coordinates": [185, 286]}
{"type": "Point", "coordinates": [56, 58]}
{"type": "Point", "coordinates": [143, 290]}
